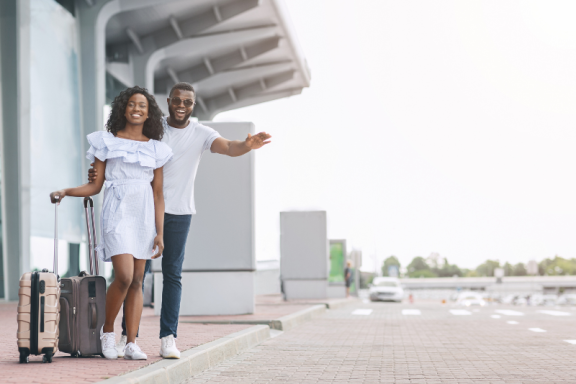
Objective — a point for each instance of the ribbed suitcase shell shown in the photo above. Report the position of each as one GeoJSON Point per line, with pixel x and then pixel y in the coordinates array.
{"type": "Point", "coordinates": [46, 307]}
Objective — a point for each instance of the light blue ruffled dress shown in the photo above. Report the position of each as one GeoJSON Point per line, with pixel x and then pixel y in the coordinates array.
{"type": "Point", "coordinates": [127, 222]}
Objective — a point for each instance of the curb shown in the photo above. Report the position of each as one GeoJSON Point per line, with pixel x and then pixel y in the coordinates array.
{"type": "Point", "coordinates": [288, 322]}
{"type": "Point", "coordinates": [195, 360]}
{"type": "Point", "coordinates": [284, 323]}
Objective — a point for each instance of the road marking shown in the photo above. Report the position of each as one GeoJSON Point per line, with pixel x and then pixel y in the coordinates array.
{"type": "Point", "coordinates": [364, 312]}
{"type": "Point", "coordinates": [512, 322]}
{"type": "Point", "coordinates": [536, 329]}
{"type": "Point", "coordinates": [415, 312]}
{"type": "Point", "coordinates": [556, 313]}
{"type": "Point", "coordinates": [570, 341]}
{"type": "Point", "coordinates": [495, 316]}
{"type": "Point", "coordinates": [509, 312]}
{"type": "Point", "coordinates": [460, 312]}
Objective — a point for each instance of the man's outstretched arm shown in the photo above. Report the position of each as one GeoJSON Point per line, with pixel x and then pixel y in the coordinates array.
{"type": "Point", "coordinates": [235, 148]}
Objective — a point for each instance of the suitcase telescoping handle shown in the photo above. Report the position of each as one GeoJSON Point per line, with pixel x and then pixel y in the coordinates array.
{"type": "Point", "coordinates": [57, 198]}
{"type": "Point", "coordinates": [91, 236]}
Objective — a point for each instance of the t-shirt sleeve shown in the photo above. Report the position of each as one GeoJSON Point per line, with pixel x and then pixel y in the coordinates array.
{"type": "Point", "coordinates": [211, 135]}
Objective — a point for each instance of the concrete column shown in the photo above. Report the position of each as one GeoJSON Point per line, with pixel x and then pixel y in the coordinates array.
{"type": "Point", "coordinates": [15, 91]}
{"type": "Point", "coordinates": [219, 266]}
{"type": "Point", "coordinates": [304, 255]}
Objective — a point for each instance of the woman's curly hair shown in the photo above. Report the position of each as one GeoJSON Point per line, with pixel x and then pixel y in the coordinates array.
{"type": "Point", "coordinates": [152, 129]}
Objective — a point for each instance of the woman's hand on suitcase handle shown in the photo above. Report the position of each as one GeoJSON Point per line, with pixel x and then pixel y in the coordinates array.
{"type": "Point", "coordinates": [92, 174]}
{"type": "Point", "coordinates": [61, 194]}
{"type": "Point", "coordinates": [158, 245]}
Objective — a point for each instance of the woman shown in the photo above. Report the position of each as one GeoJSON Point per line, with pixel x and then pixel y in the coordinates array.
{"type": "Point", "coordinates": [130, 157]}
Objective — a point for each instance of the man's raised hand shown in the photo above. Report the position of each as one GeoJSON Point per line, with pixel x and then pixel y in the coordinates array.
{"type": "Point", "coordinates": [258, 140]}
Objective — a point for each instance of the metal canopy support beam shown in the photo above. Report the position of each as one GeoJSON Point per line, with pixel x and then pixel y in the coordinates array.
{"type": "Point", "coordinates": [135, 40]}
{"type": "Point", "coordinates": [176, 27]}
{"type": "Point", "coordinates": [234, 95]}
{"type": "Point", "coordinates": [144, 64]}
{"type": "Point", "coordinates": [187, 28]}
{"type": "Point", "coordinates": [173, 75]}
{"type": "Point", "coordinates": [208, 65]}
{"type": "Point", "coordinates": [219, 64]}
{"type": "Point", "coordinates": [256, 99]}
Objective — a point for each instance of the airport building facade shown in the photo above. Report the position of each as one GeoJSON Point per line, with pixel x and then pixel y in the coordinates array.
{"type": "Point", "coordinates": [63, 62]}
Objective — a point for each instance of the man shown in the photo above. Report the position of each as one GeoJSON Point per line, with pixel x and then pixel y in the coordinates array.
{"type": "Point", "coordinates": [188, 141]}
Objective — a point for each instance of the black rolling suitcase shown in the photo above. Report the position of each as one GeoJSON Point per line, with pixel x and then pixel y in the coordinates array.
{"type": "Point", "coordinates": [83, 302]}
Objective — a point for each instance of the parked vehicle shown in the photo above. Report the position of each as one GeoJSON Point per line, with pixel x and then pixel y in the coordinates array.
{"type": "Point", "coordinates": [470, 299]}
{"type": "Point", "coordinates": [386, 289]}
{"type": "Point", "coordinates": [567, 299]}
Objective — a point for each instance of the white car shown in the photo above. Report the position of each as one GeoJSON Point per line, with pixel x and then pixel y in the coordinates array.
{"type": "Point", "coordinates": [386, 289]}
{"type": "Point", "coordinates": [469, 299]}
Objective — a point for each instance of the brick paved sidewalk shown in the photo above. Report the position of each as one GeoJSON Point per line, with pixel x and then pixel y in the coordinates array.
{"type": "Point", "coordinates": [65, 369]}
{"type": "Point", "coordinates": [436, 346]}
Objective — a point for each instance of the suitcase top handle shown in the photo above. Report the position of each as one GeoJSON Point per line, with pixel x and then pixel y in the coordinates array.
{"type": "Point", "coordinates": [57, 198]}
{"type": "Point", "coordinates": [86, 200]}
{"type": "Point", "coordinates": [92, 257]}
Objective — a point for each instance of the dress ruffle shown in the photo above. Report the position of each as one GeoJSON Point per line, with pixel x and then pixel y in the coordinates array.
{"type": "Point", "coordinates": [104, 145]}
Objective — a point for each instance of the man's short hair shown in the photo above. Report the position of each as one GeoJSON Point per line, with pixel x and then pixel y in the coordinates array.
{"type": "Point", "coordinates": [183, 87]}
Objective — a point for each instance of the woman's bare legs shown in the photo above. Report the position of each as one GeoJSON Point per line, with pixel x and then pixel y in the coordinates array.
{"type": "Point", "coordinates": [133, 304]}
{"type": "Point", "coordinates": [123, 276]}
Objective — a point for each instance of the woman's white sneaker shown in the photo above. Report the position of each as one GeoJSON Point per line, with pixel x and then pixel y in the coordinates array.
{"type": "Point", "coordinates": [168, 348]}
{"type": "Point", "coordinates": [108, 340]}
{"type": "Point", "coordinates": [133, 352]}
{"type": "Point", "coordinates": [121, 345]}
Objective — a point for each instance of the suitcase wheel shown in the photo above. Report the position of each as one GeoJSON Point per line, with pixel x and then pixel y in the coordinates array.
{"type": "Point", "coordinates": [47, 358]}
{"type": "Point", "coordinates": [24, 356]}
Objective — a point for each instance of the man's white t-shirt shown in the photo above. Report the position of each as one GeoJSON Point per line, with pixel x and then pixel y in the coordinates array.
{"type": "Point", "coordinates": [188, 144]}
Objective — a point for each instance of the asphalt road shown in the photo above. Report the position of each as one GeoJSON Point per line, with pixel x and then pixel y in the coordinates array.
{"type": "Point", "coordinates": [419, 343]}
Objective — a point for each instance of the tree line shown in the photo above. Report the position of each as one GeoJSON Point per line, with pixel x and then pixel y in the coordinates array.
{"type": "Point", "coordinates": [436, 266]}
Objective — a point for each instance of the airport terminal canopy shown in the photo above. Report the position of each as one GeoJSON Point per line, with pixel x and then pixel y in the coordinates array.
{"type": "Point", "coordinates": [235, 53]}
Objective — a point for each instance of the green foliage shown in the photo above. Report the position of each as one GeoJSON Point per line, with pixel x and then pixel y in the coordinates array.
{"type": "Point", "coordinates": [390, 261]}
{"type": "Point", "coordinates": [422, 273]}
{"type": "Point", "coordinates": [519, 270]}
{"type": "Point", "coordinates": [433, 267]}
{"type": "Point", "coordinates": [417, 264]}
{"type": "Point", "coordinates": [487, 268]}
{"type": "Point", "coordinates": [447, 270]}
{"type": "Point", "coordinates": [558, 266]}
{"type": "Point", "coordinates": [508, 269]}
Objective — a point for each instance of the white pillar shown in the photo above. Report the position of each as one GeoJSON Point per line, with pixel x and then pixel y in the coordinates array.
{"type": "Point", "coordinates": [15, 90]}
{"type": "Point", "coordinates": [304, 261]}
{"type": "Point", "coordinates": [219, 266]}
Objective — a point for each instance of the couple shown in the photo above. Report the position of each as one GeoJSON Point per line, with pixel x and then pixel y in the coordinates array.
{"type": "Point", "coordinates": [144, 157]}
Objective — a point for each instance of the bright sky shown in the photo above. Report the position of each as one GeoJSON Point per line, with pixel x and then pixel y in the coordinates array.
{"type": "Point", "coordinates": [445, 126]}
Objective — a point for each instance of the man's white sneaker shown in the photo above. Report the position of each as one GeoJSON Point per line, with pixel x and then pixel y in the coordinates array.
{"type": "Point", "coordinates": [108, 349]}
{"type": "Point", "coordinates": [133, 352]}
{"type": "Point", "coordinates": [168, 348]}
{"type": "Point", "coordinates": [121, 345]}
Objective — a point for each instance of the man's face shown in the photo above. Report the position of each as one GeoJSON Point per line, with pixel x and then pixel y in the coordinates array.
{"type": "Point", "coordinates": [180, 105]}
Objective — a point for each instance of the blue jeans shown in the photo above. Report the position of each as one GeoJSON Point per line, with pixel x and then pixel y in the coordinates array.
{"type": "Point", "coordinates": [176, 228]}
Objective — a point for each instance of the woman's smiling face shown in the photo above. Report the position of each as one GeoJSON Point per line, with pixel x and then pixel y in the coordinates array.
{"type": "Point", "coordinates": [137, 109]}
